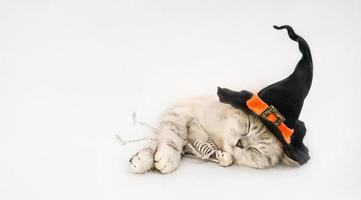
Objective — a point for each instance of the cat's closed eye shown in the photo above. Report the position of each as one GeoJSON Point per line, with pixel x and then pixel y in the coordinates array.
{"type": "Point", "coordinates": [239, 143]}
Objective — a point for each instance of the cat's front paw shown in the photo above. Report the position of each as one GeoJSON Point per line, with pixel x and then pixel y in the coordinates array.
{"type": "Point", "coordinates": [225, 159]}
{"type": "Point", "coordinates": [166, 159]}
{"type": "Point", "coordinates": [142, 161]}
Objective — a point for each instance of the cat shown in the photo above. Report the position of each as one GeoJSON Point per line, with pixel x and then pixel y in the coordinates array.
{"type": "Point", "coordinates": [228, 131]}
{"type": "Point", "coordinates": [241, 135]}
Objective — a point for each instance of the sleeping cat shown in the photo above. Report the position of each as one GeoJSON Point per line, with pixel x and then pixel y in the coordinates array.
{"type": "Point", "coordinates": [257, 130]}
{"type": "Point", "coordinates": [234, 131]}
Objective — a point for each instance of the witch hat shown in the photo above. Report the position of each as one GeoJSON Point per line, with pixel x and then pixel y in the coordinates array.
{"type": "Point", "coordinates": [279, 105]}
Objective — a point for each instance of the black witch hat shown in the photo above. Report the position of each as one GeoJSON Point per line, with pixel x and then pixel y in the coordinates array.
{"type": "Point", "coordinates": [279, 105]}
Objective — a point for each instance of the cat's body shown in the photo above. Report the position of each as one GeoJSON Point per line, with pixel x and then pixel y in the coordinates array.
{"type": "Point", "coordinates": [241, 135]}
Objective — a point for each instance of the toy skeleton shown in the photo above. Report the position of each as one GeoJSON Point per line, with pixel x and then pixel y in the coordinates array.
{"type": "Point", "coordinates": [205, 150]}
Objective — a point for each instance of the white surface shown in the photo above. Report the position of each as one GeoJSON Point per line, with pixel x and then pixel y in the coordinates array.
{"type": "Point", "coordinates": [72, 72]}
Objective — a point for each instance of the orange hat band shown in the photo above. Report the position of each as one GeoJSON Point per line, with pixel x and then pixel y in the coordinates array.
{"type": "Point", "coordinates": [271, 114]}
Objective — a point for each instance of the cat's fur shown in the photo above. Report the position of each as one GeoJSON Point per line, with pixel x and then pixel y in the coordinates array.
{"type": "Point", "coordinates": [234, 131]}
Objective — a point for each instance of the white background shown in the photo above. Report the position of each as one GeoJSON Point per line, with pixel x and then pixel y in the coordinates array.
{"type": "Point", "coordinates": [72, 73]}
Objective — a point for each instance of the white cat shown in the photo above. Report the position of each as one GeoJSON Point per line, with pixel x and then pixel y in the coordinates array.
{"type": "Point", "coordinates": [241, 137]}
{"type": "Point", "coordinates": [216, 131]}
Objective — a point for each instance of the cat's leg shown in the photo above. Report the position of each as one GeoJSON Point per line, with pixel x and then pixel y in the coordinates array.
{"type": "Point", "coordinates": [171, 139]}
{"type": "Point", "coordinates": [172, 136]}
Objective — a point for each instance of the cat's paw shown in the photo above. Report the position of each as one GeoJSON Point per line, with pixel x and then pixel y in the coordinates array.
{"type": "Point", "coordinates": [225, 159]}
{"type": "Point", "coordinates": [166, 159]}
{"type": "Point", "coordinates": [142, 161]}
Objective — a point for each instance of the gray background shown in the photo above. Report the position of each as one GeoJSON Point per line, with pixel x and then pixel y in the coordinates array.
{"type": "Point", "coordinates": [72, 73]}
